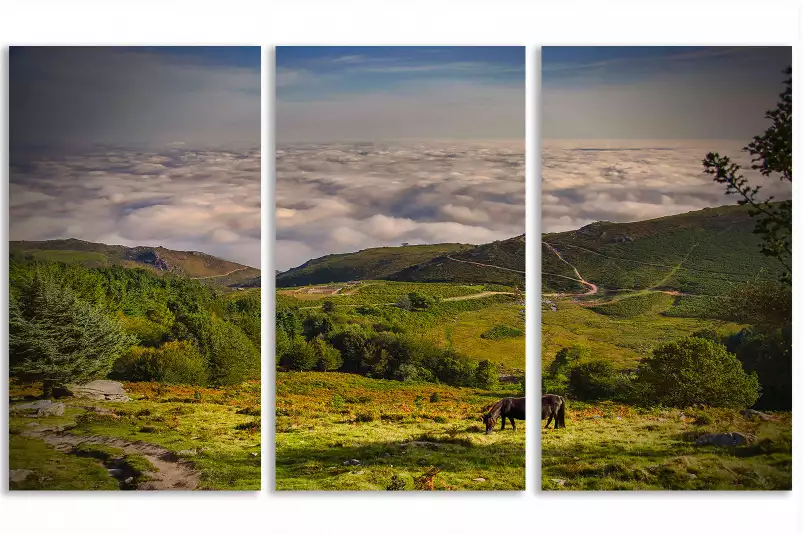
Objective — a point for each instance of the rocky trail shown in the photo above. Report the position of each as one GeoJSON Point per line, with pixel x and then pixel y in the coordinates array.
{"type": "Point", "coordinates": [171, 473]}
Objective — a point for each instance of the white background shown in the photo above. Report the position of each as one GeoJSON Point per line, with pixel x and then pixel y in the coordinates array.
{"type": "Point", "coordinates": [387, 22]}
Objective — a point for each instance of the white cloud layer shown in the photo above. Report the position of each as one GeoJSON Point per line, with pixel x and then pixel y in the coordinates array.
{"type": "Point", "coordinates": [201, 200]}
{"type": "Point", "coordinates": [621, 181]}
{"type": "Point", "coordinates": [336, 198]}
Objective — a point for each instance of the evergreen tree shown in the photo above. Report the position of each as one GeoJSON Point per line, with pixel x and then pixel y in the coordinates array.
{"type": "Point", "coordinates": [57, 339]}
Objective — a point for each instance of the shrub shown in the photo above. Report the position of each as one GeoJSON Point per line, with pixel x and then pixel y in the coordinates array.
{"type": "Point", "coordinates": [595, 380]}
{"type": "Point", "coordinates": [299, 355]}
{"type": "Point", "coordinates": [498, 332]}
{"type": "Point", "coordinates": [173, 363]}
{"type": "Point", "coordinates": [567, 357]}
{"type": "Point", "coordinates": [326, 357]}
{"type": "Point", "coordinates": [486, 375]}
{"type": "Point", "coordinates": [434, 397]}
{"type": "Point", "coordinates": [695, 371]}
{"type": "Point", "coordinates": [419, 301]}
{"type": "Point", "coordinates": [328, 306]}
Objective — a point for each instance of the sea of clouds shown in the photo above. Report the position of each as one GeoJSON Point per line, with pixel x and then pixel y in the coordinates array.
{"type": "Point", "coordinates": [204, 200]}
{"type": "Point", "coordinates": [336, 198]}
{"type": "Point", "coordinates": [621, 181]}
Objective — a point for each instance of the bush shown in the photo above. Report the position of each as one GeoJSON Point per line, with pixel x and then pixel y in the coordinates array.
{"type": "Point", "coordinates": [568, 357]}
{"type": "Point", "coordinates": [299, 355]}
{"type": "Point", "coordinates": [232, 357]}
{"type": "Point", "coordinates": [596, 380]}
{"type": "Point", "coordinates": [434, 397]}
{"type": "Point", "coordinates": [767, 352]}
{"type": "Point", "coordinates": [696, 371]}
{"type": "Point", "coordinates": [498, 332]}
{"type": "Point", "coordinates": [486, 375]}
{"type": "Point", "coordinates": [327, 358]}
{"type": "Point", "coordinates": [173, 363]}
{"type": "Point", "coordinates": [419, 301]}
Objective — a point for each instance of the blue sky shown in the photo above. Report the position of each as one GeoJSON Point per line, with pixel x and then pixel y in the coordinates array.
{"type": "Point", "coordinates": [370, 93]}
{"type": "Point", "coordinates": [81, 96]}
{"type": "Point", "coordinates": [659, 92]}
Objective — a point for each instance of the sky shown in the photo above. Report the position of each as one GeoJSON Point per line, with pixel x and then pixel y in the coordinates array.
{"type": "Point", "coordinates": [337, 94]}
{"type": "Point", "coordinates": [625, 129]}
{"type": "Point", "coordinates": [379, 146]}
{"type": "Point", "coordinates": [137, 146]}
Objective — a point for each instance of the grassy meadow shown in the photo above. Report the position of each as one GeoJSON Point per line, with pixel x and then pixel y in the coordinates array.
{"type": "Point", "coordinates": [397, 432]}
{"type": "Point", "coordinates": [609, 446]}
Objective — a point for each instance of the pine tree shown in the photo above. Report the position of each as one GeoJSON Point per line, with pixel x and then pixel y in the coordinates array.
{"type": "Point", "coordinates": [56, 338]}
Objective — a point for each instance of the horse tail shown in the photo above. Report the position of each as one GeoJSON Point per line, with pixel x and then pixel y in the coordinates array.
{"type": "Point", "coordinates": [561, 417]}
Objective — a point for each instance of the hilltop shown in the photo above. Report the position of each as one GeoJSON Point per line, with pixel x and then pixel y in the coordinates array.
{"type": "Point", "coordinates": [192, 264]}
{"type": "Point", "coordinates": [702, 252]}
{"type": "Point", "coordinates": [500, 262]}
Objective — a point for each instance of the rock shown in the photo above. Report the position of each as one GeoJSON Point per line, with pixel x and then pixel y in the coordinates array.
{"type": "Point", "coordinates": [751, 414]}
{"type": "Point", "coordinates": [19, 475]}
{"type": "Point", "coordinates": [43, 407]}
{"type": "Point", "coordinates": [559, 482]}
{"type": "Point", "coordinates": [359, 472]}
{"type": "Point", "coordinates": [723, 439]}
{"type": "Point", "coordinates": [479, 479]}
{"type": "Point", "coordinates": [129, 480]}
{"type": "Point", "coordinates": [351, 462]}
{"type": "Point", "coordinates": [101, 390]}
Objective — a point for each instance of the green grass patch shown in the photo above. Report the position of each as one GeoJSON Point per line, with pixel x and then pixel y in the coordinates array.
{"type": "Point", "coordinates": [636, 305]}
{"type": "Point", "coordinates": [394, 432]}
{"type": "Point", "coordinates": [616, 447]}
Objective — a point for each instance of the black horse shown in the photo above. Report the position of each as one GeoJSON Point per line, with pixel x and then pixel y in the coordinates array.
{"type": "Point", "coordinates": [509, 408]}
{"type": "Point", "coordinates": [553, 406]}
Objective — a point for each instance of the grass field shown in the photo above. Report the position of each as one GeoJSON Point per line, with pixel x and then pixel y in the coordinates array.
{"type": "Point", "coordinates": [396, 431]}
{"type": "Point", "coordinates": [216, 432]}
{"type": "Point", "coordinates": [621, 340]}
{"type": "Point", "coordinates": [606, 446]}
{"type": "Point", "coordinates": [464, 334]}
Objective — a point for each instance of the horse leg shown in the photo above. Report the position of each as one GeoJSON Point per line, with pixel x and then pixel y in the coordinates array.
{"type": "Point", "coordinates": [503, 423]}
{"type": "Point", "coordinates": [512, 422]}
{"type": "Point", "coordinates": [549, 420]}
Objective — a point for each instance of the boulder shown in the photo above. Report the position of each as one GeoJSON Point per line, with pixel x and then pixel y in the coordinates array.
{"type": "Point", "coordinates": [100, 390]}
{"type": "Point", "coordinates": [19, 475]}
{"type": "Point", "coordinates": [723, 439]}
{"type": "Point", "coordinates": [43, 407]}
{"type": "Point", "coordinates": [751, 414]}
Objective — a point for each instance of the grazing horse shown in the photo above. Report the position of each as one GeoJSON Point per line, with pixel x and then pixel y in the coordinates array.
{"type": "Point", "coordinates": [509, 408]}
{"type": "Point", "coordinates": [553, 406]}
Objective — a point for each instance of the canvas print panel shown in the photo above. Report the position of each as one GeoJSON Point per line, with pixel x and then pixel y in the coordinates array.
{"type": "Point", "coordinates": [666, 271]}
{"type": "Point", "coordinates": [134, 268]}
{"type": "Point", "coordinates": [400, 258]}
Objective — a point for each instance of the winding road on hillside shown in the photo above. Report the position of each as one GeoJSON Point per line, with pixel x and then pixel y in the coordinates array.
{"type": "Point", "coordinates": [592, 288]}
{"type": "Point", "coordinates": [221, 275]}
{"type": "Point", "coordinates": [479, 295]}
{"type": "Point", "coordinates": [486, 265]}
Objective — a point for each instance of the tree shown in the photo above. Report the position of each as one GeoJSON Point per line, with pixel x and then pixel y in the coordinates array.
{"type": "Point", "coordinates": [695, 371]}
{"type": "Point", "coordinates": [771, 154]}
{"type": "Point", "coordinates": [232, 357]}
{"type": "Point", "coordinates": [419, 301]}
{"type": "Point", "coordinates": [57, 339]}
{"type": "Point", "coordinates": [486, 375]}
{"type": "Point", "coordinates": [327, 358]}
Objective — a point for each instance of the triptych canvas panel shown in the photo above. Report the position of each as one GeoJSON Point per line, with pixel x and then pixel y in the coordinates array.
{"type": "Point", "coordinates": [398, 268]}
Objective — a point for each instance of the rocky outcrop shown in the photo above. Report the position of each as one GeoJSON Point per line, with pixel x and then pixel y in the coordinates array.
{"type": "Point", "coordinates": [101, 390]}
{"type": "Point", "coordinates": [43, 407]}
{"type": "Point", "coordinates": [751, 414]}
{"type": "Point", "coordinates": [723, 439]}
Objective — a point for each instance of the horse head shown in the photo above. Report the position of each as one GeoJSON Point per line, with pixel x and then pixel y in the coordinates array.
{"type": "Point", "coordinates": [490, 422]}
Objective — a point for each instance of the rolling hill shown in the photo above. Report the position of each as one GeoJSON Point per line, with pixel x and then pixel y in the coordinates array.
{"type": "Point", "coordinates": [501, 262]}
{"type": "Point", "coordinates": [192, 264]}
{"type": "Point", "coordinates": [703, 252]}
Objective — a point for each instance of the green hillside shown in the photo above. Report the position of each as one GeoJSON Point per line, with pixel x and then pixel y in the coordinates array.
{"type": "Point", "coordinates": [376, 263]}
{"type": "Point", "coordinates": [703, 252]}
{"type": "Point", "coordinates": [500, 262]}
{"type": "Point", "coordinates": [192, 264]}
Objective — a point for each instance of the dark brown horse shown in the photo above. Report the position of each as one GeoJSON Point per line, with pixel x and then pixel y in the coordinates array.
{"type": "Point", "coordinates": [509, 408]}
{"type": "Point", "coordinates": [553, 406]}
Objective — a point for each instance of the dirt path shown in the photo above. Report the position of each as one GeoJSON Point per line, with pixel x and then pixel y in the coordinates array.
{"type": "Point", "coordinates": [592, 288]}
{"type": "Point", "coordinates": [172, 474]}
{"type": "Point", "coordinates": [221, 275]}
{"type": "Point", "coordinates": [486, 265]}
{"type": "Point", "coordinates": [479, 295]}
